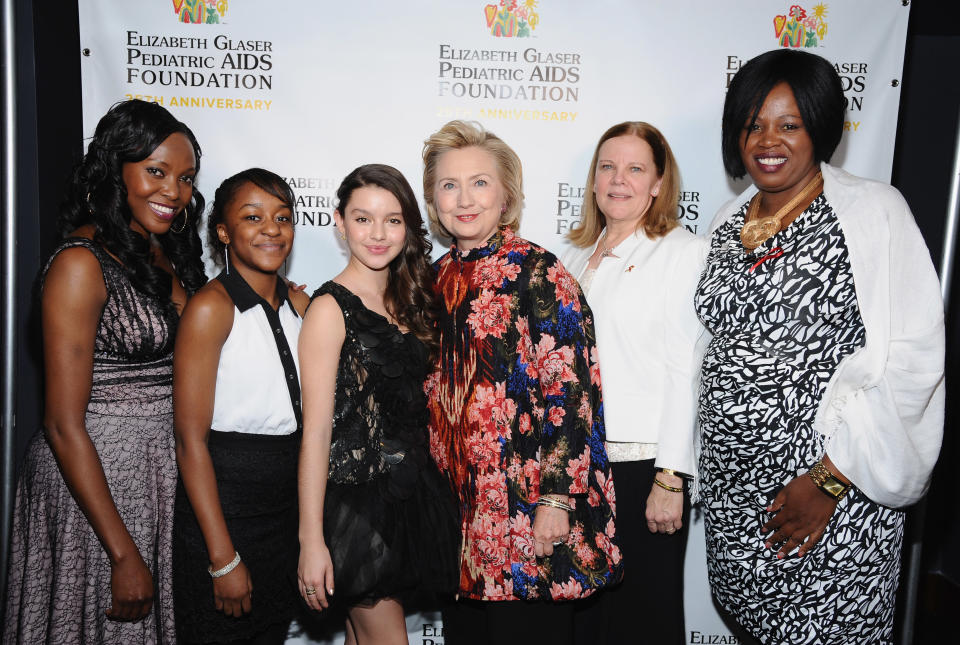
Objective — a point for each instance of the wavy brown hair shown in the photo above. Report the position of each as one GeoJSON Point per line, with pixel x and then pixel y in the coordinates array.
{"type": "Point", "coordinates": [409, 296]}
{"type": "Point", "coordinates": [661, 216]}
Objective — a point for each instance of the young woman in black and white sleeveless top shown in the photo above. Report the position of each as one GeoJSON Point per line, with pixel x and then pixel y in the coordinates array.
{"type": "Point", "coordinates": [238, 425]}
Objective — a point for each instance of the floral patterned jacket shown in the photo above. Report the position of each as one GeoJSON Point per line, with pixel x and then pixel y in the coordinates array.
{"type": "Point", "coordinates": [515, 413]}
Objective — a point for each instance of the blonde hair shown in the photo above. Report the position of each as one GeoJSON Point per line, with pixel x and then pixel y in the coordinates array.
{"type": "Point", "coordinates": [661, 216]}
{"type": "Point", "coordinates": [456, 135]}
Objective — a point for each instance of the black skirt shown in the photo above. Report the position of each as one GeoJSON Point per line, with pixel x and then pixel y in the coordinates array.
{"type": "Point", "coordinates": [385, 544]}
{"type": "Point", "coordinates": [257, 482]}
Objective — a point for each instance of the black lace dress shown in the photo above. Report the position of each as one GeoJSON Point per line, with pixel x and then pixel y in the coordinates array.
{"type": "Point", "coordinates": [389, 519]}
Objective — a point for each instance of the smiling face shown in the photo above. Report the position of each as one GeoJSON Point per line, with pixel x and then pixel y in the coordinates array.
{"type": "Point", "coordinates": [626, 179]}
{"type": "Point", "coordinates": [469, 196]}
{"type": "Point", "coordinates": [160, 186]}
{"type": "Point", "coordinates": [372, 222]}
{"type": "Point", "coordinates": [257, 229]}
{"type": "Point", "coordinates": [776, 149]}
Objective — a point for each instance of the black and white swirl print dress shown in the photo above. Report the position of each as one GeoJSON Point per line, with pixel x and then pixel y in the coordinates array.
{"type": "Point", "coordinates": [782, 319]}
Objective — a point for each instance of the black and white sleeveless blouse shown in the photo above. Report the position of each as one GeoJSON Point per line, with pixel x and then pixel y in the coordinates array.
{"type": "Point", "coordinates": [258, 379]}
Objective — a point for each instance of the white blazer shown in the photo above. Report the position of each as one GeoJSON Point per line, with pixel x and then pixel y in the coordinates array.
{"type": "Point", "coordinates": [647, 329]}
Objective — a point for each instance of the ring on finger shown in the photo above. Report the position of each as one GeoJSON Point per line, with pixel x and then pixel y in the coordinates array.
{"type": "Point", "coordinates": [310, 591]}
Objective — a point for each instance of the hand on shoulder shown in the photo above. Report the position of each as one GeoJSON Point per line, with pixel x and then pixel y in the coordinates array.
{"type": "Point", "coordinates": [299, 299]}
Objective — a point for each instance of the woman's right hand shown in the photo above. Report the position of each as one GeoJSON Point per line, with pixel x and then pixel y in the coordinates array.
{"type": "Point", "coordinates": [131, 589]}
{"type": "Point", "coordinates": [315, 576]}
{"type": "Point", "coordinates": [231, 592]}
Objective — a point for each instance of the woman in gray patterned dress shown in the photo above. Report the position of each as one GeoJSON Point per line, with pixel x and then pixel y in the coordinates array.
{"type": "Point", "coordinates": [91, 549]}
{"type": "Point", "coordinates": [821, 390]}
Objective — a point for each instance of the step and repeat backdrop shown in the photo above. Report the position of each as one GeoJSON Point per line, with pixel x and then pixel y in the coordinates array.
{"type": "Point", "coordinates": [312, 89]}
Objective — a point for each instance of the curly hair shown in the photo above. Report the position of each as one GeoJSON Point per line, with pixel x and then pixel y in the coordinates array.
{"type": "Point", "coordinates": [269, 182]}
{"type": "Point", "coordinates": [97, 195]}
{"type": "Point", "coordinates": [409, 296]}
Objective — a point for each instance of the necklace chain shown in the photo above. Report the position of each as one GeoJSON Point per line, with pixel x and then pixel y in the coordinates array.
{"type": "Point", "coordinates": [607, 251]}
{"type": "Point", "coordinates": [757, 231]}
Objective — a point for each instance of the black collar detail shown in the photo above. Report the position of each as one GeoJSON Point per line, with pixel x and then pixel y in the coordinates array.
{"type": "Point", "coordinates": [243, 295]}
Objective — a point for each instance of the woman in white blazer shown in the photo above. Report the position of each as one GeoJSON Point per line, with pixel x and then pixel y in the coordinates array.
{"type": "Point", "coordinates": [639, 269]}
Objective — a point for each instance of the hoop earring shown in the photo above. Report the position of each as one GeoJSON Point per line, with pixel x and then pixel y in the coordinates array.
{"type": "Point", "coordinates": [226, 257]}
{"type": "Point", "coordinates": [186, 216]}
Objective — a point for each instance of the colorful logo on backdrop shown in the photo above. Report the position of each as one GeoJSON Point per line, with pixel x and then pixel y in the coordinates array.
{"type": "Point", "coordinates": [512, 19]}
{"type": "Point", "coordinates": [798, 28]}
{"type": "Point", "coordinates": [200, 12]}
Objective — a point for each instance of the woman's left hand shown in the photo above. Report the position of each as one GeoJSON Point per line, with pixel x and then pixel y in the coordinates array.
{"type": "Point", "coordinates": [665, 508]}
{"type": "Point", "coordinates": [801, 514]}
{"type": "Point", "coordinates": [550, 525]}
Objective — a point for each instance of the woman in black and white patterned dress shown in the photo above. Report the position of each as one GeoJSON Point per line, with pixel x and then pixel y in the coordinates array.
{"type": "Point", "coordinates": [821, 396]}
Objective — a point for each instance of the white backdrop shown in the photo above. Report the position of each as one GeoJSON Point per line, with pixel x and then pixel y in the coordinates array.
{"type": "Point", "coordinates": [312, 89]}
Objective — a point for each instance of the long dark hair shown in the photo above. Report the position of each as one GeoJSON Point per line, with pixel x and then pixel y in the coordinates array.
{"type": "Point", "coordinates": [409, 295]}
{"type": "Point", "coordinates": [269, 182]}
{"type": "Point", "coordinates": [97, 195]}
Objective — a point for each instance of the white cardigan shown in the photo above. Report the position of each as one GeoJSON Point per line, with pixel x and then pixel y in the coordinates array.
{"type": "Point", "coordinates": [647, 331]}
{"type": "Point", "coordinates": [882, 412]}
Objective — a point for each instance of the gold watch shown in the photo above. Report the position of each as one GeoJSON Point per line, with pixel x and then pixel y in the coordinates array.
{"type": "Point", "coordinates": [827, 481]}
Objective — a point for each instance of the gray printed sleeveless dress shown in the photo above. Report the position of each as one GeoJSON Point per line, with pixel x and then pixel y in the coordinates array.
{"type": "Point", "coordinates": [782, 319]}
{"type": "Point", "coordinates": [59, 580]}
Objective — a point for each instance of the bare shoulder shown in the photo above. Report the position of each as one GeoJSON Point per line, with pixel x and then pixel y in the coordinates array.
{"type": "Point", "coordinates": [75, 274]}
{"type": "Point", "coordinates": [209, 312]}
{"type": "Point", "coordinates": [324, 318]}
{"type": "Point", "coordinates": [324, 308]}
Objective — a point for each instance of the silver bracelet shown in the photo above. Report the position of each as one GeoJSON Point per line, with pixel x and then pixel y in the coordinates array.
{"type": "Point", "coordinates": [227, 569]}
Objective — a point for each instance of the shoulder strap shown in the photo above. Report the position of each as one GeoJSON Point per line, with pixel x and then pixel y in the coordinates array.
{"type": "Point", "coordinates": [70, 243]}
{"type": "Point", "coordinates": [346, 299]}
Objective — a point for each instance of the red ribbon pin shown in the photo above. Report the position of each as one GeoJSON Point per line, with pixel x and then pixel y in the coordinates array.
{"type": "Point", "coordinates": [775, 252]}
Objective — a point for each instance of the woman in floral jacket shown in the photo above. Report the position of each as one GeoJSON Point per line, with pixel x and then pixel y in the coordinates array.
{"type": "Point", "coordinates": [516, 415]}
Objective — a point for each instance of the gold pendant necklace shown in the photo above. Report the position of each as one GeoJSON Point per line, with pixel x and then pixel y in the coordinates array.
{"type": "Point", "coordinates": [757, 231]}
